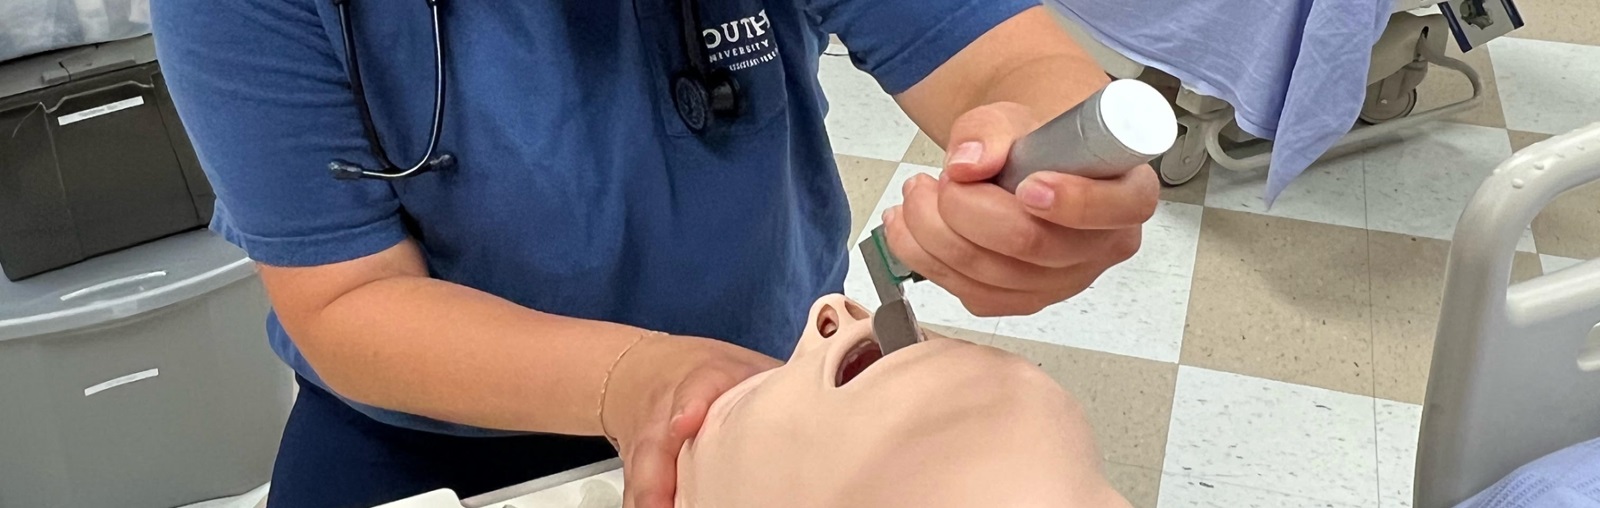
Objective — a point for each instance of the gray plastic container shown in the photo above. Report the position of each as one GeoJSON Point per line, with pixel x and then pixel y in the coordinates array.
{"type": "Point", "coordinates": [141, 378]}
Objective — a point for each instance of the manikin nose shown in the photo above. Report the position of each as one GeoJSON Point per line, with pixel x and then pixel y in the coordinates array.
{"type": "Point", "coordinates": [833, 312]}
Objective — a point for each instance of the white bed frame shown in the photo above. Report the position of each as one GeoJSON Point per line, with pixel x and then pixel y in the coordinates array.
{"type": "Point", "coordinates": [1514, 374]}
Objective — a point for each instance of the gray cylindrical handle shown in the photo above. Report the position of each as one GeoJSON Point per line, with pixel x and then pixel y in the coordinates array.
{"type": "Point", "coordinates": [1123, 125]}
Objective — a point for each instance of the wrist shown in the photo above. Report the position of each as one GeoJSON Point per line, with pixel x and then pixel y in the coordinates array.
{"type": "Point", "coordinates": [644, 382]}
{"type": "Point", "coordinates": [640, 380]}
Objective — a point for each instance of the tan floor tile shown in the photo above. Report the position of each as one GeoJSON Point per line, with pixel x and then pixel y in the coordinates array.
{"type": "Point", "coordinates": [1193, 192]}
{"type": "Point", "coordinates": [1570, 225]}
{"type": "Point", "coordinates": [961, 333]}
{"type": "Point", "coordinates": [864, 182]}
{"type": "Point", "coordinates": [1520, 139]}
{"type": "Point", "coordinates": [1525, 266]}
{"type": "Point", "coordinates": [1128, 400]}
{"type": "Point", "coordinates": [1573, 21]}
{"type": "Point", "coordinates": [1407, 271]}
{"type": "Point", "coordinates": [1140, 486]}
{"type": "Point", "coordinates": [1283, 256]}
{"type": "Point", "coordinates": [1402, 336]}
{"type": "Point", "coordinates": [1444, 86]}
{"type": "Point", "coordinates": [1308, 340]}
{"type": "Point", "coordinates": [1402, 349]}
{"type": "Point", "coordinates": [924, 152]}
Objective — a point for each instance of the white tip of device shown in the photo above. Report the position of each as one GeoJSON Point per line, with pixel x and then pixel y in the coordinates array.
{"type": "Point", "coordinates": [1138, 116]}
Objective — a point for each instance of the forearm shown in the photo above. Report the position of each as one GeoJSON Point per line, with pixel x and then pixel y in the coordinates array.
{"type": "Point", "coordinates": [1029, 60]}
{"type": "Point", "coordinates": [445, 351]}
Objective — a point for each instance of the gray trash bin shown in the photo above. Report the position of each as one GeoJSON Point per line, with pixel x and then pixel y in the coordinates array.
{"type": "Point", "coordinates": [141, 378]}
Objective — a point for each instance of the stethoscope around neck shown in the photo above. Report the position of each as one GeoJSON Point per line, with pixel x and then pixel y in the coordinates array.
{"type": "Point", "coordinates": [701, 94]}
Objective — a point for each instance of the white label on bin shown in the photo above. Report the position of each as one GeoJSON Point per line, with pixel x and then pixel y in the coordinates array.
{"type": "Point", "coordinates": [105, 109]}
{"type": "Point", "coordinates": [137, 376]}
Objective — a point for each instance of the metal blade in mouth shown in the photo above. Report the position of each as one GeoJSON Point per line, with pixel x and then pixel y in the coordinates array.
{"type": "Point", "coordinates": [895, 326]}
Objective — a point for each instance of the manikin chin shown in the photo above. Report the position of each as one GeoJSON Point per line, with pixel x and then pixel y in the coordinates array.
{"type": "Point", "coordinates": [941, 424]}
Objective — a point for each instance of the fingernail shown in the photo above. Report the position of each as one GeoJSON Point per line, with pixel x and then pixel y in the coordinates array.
{"type": "Point", "coordinates": [965, 153]}
{"type": "Point", "coordinates": [910, 185]}
{"type": "Point", "coordinates": [888, 215]}
{"type": "Point", "coordinates": [1035, 194]}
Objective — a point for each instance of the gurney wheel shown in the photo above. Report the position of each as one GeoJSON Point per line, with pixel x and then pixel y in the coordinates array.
{"type": "Point", "coordinates": [1375, 112]}
{"type": "Point", "coordinates": [1181, 163]}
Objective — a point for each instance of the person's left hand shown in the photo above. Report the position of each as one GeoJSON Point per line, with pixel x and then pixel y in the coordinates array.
{"type": "Point", "coordinates": [663, 389]}
{"type": "Point", "coordinates": [1005, 254]}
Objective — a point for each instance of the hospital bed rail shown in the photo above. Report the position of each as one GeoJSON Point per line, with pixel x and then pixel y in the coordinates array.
{"type": "Point", "coordinates": [1514, 366]}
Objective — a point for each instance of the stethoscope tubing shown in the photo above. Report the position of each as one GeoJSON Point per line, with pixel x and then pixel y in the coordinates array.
{"type": "Point", "coordinates": [352, 60]}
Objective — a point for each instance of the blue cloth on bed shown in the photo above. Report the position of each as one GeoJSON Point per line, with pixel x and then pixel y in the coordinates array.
{"type": "Point", "coordinates": [1295, 70]}
{"type": "Point", "coordinates": [1569, 478]}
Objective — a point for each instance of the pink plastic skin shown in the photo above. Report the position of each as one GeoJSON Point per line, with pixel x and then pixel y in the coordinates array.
{"type": "Point", "coordinates": [941, 424]}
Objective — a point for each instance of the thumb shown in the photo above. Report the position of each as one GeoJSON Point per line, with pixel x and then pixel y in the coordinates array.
{"type": "Point", "coordinates": [981, 138]}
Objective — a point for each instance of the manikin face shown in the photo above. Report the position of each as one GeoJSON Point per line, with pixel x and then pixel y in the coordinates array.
{"type": "Point", "coordinates": [941, 424]}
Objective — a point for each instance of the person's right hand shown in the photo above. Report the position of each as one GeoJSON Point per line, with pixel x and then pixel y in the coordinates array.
{"type": "Point", "coordinates": [658, 398]}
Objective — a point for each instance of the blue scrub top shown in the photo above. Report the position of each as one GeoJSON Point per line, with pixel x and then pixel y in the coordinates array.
{"type": "Point", "coordinates": [577, 189]}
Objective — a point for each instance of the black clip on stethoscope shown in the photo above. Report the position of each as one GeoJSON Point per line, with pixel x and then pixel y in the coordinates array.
{"type": "Point", "coordinates": [700, 93]}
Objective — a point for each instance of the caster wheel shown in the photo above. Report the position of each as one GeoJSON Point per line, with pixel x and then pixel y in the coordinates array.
{"type": "Point", "coordinates": [1378, 110]}
{"type": "Point", "coordinates": [1178, 165]}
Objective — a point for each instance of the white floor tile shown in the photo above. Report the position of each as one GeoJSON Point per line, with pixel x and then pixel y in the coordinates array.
{"type": "Point", "coordinates": [1178, 491]}
{"type": "Point", "coordinates": [858, 284]}
{"type": "Point", "coordinates": [1170, 240]}
{"type": "Point", "coordinates": [1547, 87]}
{"type": "Point", "coordinates": [1553, 264]}
{"type": "Point", "coordinates": [892, 195]}
{"type": "Point", "coordinates": [1329, 192]}
{"type": "Point", "coordinates": [1419, 186]}
{"type": "Point", "coordinates": [862, 120]}
{"type": "Point", "coordinates": [1274, 436]}
{"type": "Point", "coordinates": [1398, 425]}
{"type": "Point", "coordinates": [1135, 309]}
{"type": "Point", "coordinates": [1127, 311]}
{"type": "Point", "coordinates": [1525, 244]}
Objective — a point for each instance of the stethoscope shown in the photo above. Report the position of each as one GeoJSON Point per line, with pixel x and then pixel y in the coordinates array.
{"type": "Point", "coordinates": [702, 95]}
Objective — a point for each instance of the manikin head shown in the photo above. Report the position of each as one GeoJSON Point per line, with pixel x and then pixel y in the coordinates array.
{"type": "Point", "coordinates": [941, 424]}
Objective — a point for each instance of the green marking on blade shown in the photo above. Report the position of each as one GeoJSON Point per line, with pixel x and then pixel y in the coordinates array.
{"type": "Point", "coordinates": [897, 270]}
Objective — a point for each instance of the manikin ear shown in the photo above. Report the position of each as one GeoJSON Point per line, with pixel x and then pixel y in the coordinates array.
{"type": "Point", "coordinates": [829, 314]}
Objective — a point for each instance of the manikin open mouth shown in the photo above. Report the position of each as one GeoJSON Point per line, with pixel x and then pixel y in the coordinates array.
{"type": "Point", "coordinates": [861, 356]}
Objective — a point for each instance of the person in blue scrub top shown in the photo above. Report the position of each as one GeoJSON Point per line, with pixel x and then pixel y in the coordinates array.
{"type": "Point", "coordinates": [590, 267]}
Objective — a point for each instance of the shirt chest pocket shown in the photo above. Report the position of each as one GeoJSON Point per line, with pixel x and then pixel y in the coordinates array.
{"type": "Point", "coordinates": [738, 37]}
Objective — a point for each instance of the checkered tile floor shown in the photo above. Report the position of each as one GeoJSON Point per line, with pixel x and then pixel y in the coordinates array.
{"type": "Point", "coordinates": [1253, 357]}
